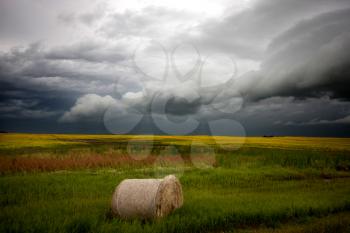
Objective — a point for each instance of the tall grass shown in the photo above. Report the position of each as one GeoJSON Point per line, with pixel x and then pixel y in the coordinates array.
{"type": "Point", "coordinates": [79, 201]}
{"type": "Point", "coordinates": [68, 188]}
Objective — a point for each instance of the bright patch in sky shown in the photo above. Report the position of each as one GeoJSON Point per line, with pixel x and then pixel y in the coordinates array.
{"type": "Point", "coordinates": [206, 8]}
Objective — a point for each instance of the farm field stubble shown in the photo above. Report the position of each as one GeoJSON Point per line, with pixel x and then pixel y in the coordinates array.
{"type": "Point", "coordinates": [64, 183]}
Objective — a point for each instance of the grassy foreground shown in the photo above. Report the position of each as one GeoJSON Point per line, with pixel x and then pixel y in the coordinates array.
{"type": "Point", "coordinates": [64, 183]}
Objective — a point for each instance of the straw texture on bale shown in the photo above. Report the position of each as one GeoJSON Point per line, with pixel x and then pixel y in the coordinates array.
{"type": "Point", "coordinates": [147, 198]}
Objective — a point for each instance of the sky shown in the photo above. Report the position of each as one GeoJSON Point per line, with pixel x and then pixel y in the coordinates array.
{"type": "Point", "coordinates": [226, 67]}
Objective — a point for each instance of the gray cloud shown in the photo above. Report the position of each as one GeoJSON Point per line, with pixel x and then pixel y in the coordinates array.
{"type": "Point", "coordinates": [344, 120]}
{"type": "Point", "coordinates": [81, 68]}
{"type": "Point", "coordinates": [151, 22]}
{"type": "Point", "coordinates": [24, 109]}
{"type": "Point", "coordinates": [246, 34]}
{"type": "Point", "coordinates": [88, 52]}
{"type": "Point", "coordinates": [294, 116]}
{"type": "Point", "coordinates": [292, 56]}
{"type": "Point", "coordinates": [89, 107]}
{"type": "Point", "coordinates": [87, 17]}
{"type": "Point", "coordinates": [274, 109]}
{"type": "Point", "coordinates": [310, 59]}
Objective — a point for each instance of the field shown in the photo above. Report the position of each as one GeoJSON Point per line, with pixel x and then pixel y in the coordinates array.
{"type": "Point", "coordinates": [64, 183]}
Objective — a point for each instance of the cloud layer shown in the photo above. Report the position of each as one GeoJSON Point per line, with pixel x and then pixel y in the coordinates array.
{"type": "Point", "coordinates": [70, 64]}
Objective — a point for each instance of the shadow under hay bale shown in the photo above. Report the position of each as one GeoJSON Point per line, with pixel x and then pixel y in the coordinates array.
{"type": "Point", "coordinates": [147, 198]}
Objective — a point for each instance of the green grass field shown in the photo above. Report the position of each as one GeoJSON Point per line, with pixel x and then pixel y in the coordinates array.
{"type": "Point", "coordinates": [64, 183]}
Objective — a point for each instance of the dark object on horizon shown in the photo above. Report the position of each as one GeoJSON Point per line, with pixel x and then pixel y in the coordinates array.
{"type": "Point", "coordinates": [268, 136]}
{"type": "Point", "coordinates": [2, 131]}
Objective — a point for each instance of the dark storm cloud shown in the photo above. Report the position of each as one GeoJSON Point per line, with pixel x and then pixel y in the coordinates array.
{"type": "Point", "coordinates": [180, 106]}
{"type": "Point", "coordinates": [17, 108]}
{"type": "Point", "coordinates": [301, 46]}
{"type": "Point", "coordinates": [309, 59]}
{"type": "Point", "coordinates": [80, 68]}
{"type": "Point", "coordinates": [54, 78]}
{"type": "Point", "coordinates": [281, 110]}
{"type": "Point", "coordinates": [293, 116]}
{"type": "Point", "coordinates": [246, 34]}
{"type": "Point", "coordinates": [26, 103]}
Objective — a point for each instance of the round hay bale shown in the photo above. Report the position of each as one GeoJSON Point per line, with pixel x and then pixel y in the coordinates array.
{"type": "Point", "coordinates": [147, 198]}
